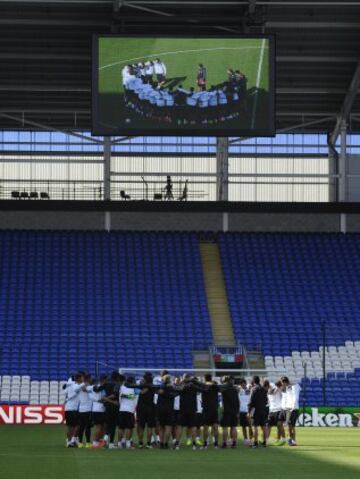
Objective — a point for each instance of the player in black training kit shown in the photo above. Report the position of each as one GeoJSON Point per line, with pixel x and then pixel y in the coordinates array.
{"type": "Point", "coordinates": [258, 410]}
{"type": "Point", "coordinates": [165, 410]}
{"type": "Point", "coordinates": [111, 389]}
{"type": "Point", "coordinates": [210, 404]}
{"type": "Point", "coordinates": [146, 411]}
{"type": "Point", "coordinates": [188, 407]}
{"type": "Point", "coordinates": [230, 398]}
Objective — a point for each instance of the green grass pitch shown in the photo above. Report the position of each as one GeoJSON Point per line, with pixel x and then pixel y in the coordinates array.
{"type": "Point", "coordinates": [38, 452]}
{"type": "Point", "coordinates": [181, 56]}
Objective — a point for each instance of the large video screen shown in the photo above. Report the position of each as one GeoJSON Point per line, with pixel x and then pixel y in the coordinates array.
{"type": "Point", "coordinates": [183, 86]}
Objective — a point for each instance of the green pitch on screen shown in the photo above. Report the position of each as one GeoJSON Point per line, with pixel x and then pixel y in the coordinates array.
{"type": "Point", "coordinates": [182, 57]}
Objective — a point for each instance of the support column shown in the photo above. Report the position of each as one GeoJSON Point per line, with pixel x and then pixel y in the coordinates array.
{"type": "Point", "coordinates": [107, 178]}
{"type": "Point", "coordinates": [343, 172]}
{"type": "Point", "coordinates": [333, 182]}
{"type": "Point", "coordinates": [222, 169]}
{"type": "Point", "coordinates": [107, 166]}
{"type": "Point", "coordinates": [225, 222]}
{"type": "Point", "coordinates": [343, 181]}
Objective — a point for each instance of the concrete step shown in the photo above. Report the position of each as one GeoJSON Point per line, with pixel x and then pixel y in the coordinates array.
{"type": "Point", "coordinates": [216, 295]}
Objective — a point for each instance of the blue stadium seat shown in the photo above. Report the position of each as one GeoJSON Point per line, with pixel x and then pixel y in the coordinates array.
{"type": "Point", "coordinates": [128, 299]}
{"type": "Point", "coordinates": [281, 287]}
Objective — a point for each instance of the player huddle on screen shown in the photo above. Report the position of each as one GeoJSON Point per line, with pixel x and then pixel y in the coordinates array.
{"type": "Point", "coordinates": [165, 407]}
{"type": "Point", "coordinates": [149, 92]}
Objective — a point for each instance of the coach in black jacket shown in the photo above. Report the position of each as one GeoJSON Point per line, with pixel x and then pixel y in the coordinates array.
{"type": "Point", "coordinates": [258, 409]}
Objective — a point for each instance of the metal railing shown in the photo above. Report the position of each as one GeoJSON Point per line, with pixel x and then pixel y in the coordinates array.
{"type": "Point", "coordinates": [55, 189]}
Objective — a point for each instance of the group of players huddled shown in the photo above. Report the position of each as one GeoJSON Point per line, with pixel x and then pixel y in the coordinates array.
{"type": "Point", "coordinates": [164, 407]}
{"type": "Point", "coordinates": [148, 92]}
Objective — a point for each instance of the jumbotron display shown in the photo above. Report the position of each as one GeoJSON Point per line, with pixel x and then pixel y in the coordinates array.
{"type": "Point", "coordinates": [183, 86]}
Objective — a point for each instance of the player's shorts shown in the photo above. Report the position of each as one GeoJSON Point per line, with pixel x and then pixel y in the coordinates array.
{"type": "Point", "coordinates": [274, 418]}
{"type": "Point", "coordinates": [187, 419]}
{"type": "Point", "coordinates": [210, 418]}
{"type": "Point", "coordinates": [229, 419]}
{"type": "Point", "coordinates": [244, 419]}
{"type": "Point", "coordinates": [98, 418]}
{"type": "Point", "coordinates": [111, 415]}
{"type": "Point", "coordinates": [166, 418]}
{"type": "Point", "coordinates": [176, 417]}
{"type": "Point", "coordinates": [293, 417]}
{"type": "Point", "coordinates": [160, 77]}
{"type": "Point", "coordinates": [126, 420]}
{"type": "Point", "coordinates": [282, 416]}
{"type": "Point", "coordinates": [85, 418]}
{"type": "Point", "coordinates": [289, 417]}
{"type": "Point", "coordinates": [199, 419]}
{"type": "Point", "coordinates": [146, 416]}
{"type": "Point", "coordinates": [72, 418]}
{"type": "Point", "coordinates": [259, 418]}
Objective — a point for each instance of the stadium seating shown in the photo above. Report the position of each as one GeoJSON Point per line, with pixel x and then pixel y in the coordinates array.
{"type": "Point", "coordinates": [137, 300]}
{"type": "Point", "coordinates": [68, 300]}
{"type": "Point", "coordinates": [282, 288]}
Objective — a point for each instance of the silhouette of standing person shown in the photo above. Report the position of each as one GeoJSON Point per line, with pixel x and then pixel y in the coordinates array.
{"type": "Point", "coordinates": [168, 189]}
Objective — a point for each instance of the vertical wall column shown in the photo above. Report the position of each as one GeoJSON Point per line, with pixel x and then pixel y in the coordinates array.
{"type": "Point", "coordinates": [222, 175]}
{"type": "Point", "coordinates": [107, 179]}
{"type": "Point", "coordinates": [343, 174]}
{"type": "Point", "coordinates": [333, 182]}
{"type": "Point", "coordinates": [222, 169]}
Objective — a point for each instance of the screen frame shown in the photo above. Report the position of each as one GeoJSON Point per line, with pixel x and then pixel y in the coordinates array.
{"type": "Point", "coordinates": [225, 132]}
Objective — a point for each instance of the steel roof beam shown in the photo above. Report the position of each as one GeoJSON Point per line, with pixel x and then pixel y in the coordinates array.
{"type": "Point", "coordinates": [299, 3]}
{"type": "Point", "coordinates": [347, 105]}
{"type": "Point", "coordinates": [44, 88]}
{"type": "Point", "coordinates": [297, 126]}
{"type": "Point", "coordinates": [61, 22]}
{"type": "Point", "coordinates": [309, 25]}
{"type": "Point", "coordinates": [167, 14]}
{"type": "Point", "coordinates": [41, 126]}
{"type": "Point", "coordinates": [44, 56]}
{"type": "Point", "coordinates": [307, 3]}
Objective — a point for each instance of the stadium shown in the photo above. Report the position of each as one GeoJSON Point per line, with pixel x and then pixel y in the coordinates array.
{"type": "Point", "coordinates": [179, 238]}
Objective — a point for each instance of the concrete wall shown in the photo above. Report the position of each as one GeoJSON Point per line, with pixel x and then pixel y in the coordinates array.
{"type": "Point", "coordinates": [177, 221]}
{"type": "Point", "coordinates": [353, 184]}
{"type": "Point", "coordinates": [291, 222]}
{"type": "Point", "coordinates": [162, 221]}
{"type": "Point", "coordinates": [52, 220]}
{"type": "Point", "coordinates": [353, 223]}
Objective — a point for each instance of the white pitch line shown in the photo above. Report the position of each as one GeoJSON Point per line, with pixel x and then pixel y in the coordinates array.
{"type": "Point", "coordinates": [258, 77]}
{"type": "Point", "coordinates": [155, 55]}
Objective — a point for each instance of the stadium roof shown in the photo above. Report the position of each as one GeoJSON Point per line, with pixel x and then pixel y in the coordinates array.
{"type": "Point", "coordinates": [45, 54]}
